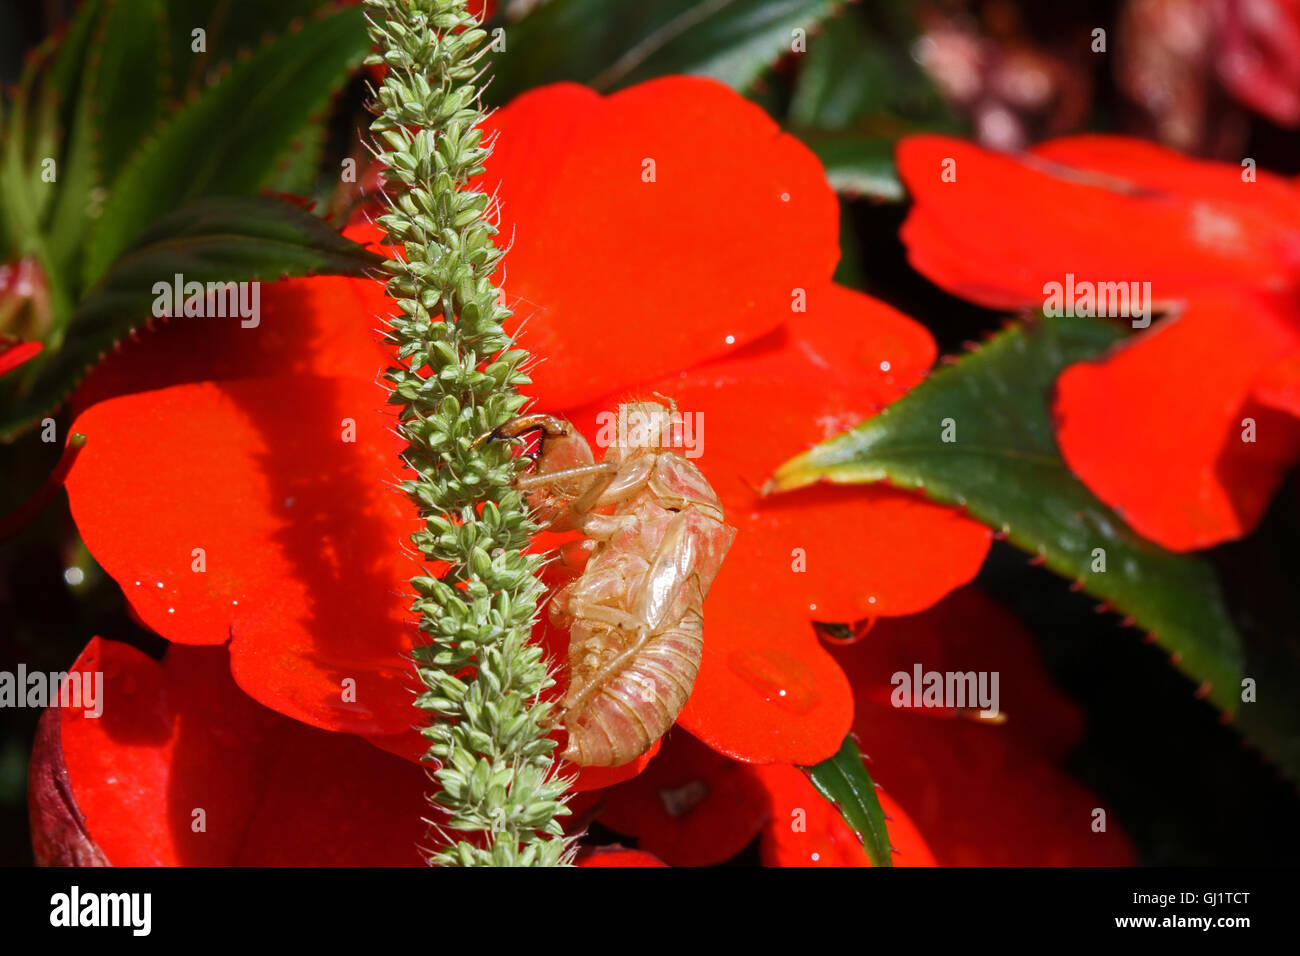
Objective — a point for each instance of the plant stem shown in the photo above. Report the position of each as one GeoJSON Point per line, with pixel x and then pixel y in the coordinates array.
{"type": "Point", "coordinates": [456, 381]}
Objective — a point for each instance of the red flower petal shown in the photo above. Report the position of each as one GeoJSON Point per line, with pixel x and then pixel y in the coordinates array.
{"type": "Point", "coordinates": [1009, 224]}
{"type": "Point", "coordinates": [622, 279]}
{"type": "Point", "coordinates": [179, 737]}
{"type": "Point", "coordinates": [301, 531]}
{"type": "Point", "coordinates": [16, 354]}
{"type": "Point", "coordinates": [325, 325]}
{"type": "Point", "coordinates": [1279, 386]}
{"type": "Point", "coordinates": [617, 856]}
{"type": "Point", "coordinates": [691, 806]}
{"type": "Point", "coordinates": [1155, 429]}
{"type": "Point", "coordinates": [767, 691]}
{"type": "Point", "coordinates": [806, 830]}
{"type": "Point", "coordinates": [953, 636]}
{"type": "Point", "coordinates": [1160, 170]}
{"type": "Point", "coordinates": [919, 551]}
{"type": "Point", "coordinates": [983, 794]}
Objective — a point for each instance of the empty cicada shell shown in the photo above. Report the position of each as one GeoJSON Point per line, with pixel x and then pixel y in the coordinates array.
{"type": "Point", "coordinates": [655, 541]}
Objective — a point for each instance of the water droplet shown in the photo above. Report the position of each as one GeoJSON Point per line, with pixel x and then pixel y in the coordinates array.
{"type": "Point", "coordinates": [816, 857]}
{"type": "Point", "coordinates": [777, 677]}
{"type": "Point", "coordinates": [74, 576]}
{"type": "Point", "coordinates": [171, 610]}
{"type": "Point", "coordinates": [885, 366]}
{"type": "Point", "coordinates": [785, 197]}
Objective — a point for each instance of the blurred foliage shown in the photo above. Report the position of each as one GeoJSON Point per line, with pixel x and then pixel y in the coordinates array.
{"type": "Point", "coordinates": [104, 136]}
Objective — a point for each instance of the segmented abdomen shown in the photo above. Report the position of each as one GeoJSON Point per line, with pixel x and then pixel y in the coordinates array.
{"type": "Point", "coordinates": [614, 718]}
{"type": "Point", "coordinates": [637, 630]}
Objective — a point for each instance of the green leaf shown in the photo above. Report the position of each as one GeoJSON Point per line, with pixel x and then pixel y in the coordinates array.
{"type": "Point", "coordinates": [212, 240]}
{"type": "Point", "coordinates": [859, 71]}
{"type": "Point", "coordinates": [229, 139]}
{"type": "Point", "coordinates": [230, 27]}
{"type": "Point", "coordinates": [118, 101]}
{"type": "Point", "coordinates": [1004, 467]}
{"type": "Point", "coordinates": [858, 165]}
{"type": "Point", "coordinates": [125, 94]}
{"type": "Point", "coordinates": [610, 44]}
{"type": "Point", "coordinates": [45, 101]}
{"type": "Point", "coordinates": [843, 780]}
{"type": "Point", "coordinates": [296, 172]}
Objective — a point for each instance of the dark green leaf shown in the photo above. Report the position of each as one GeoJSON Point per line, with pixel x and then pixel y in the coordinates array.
{"type": "Point", "coordinates": [229, 139]}
{"type": "Point", "coordinates": [843, 780]}
{"type": "Point", "coordinates": [858, 165]}
{"type": "Point", "coordinates": [125, 94]}
{"type": "Point", "coordinates": [212, 240]}
{"type": "Point", "coordinates": [1004, 467]}
{"type": "Point", "coordinates": [119, 100]}
{"type": "Point", "coordinates": [296, 172]}
{"type": "Point", "coordinates": [859, 72]}
{"type": "Point", "coordinates": [230, 27]}
{"type": "Point", "coordinates": [610, 44]}
{"type": "Point", "coordinates": [30, 121]}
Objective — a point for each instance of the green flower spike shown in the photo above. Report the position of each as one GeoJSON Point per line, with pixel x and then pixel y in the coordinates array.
{"type": "Point", "coordinates": [500, 799]}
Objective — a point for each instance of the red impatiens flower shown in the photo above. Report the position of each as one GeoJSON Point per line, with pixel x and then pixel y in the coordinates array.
{"type": "Point", "coordinates": [182, 768]}
{"type": "Point", "coordinates": [663, 238]}
{"type": "Point", "coordinates": [1187, 429]}
{"type": "Point", "coordinates": [1016, 807]}
{"type": "Point", "coordinates": [693, 807]}
{"type": "Point", "coordinates": [959, 791]}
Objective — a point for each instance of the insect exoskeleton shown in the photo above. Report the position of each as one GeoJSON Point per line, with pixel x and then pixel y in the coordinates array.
{"type": "Point", "coordinates": [655, 538]}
